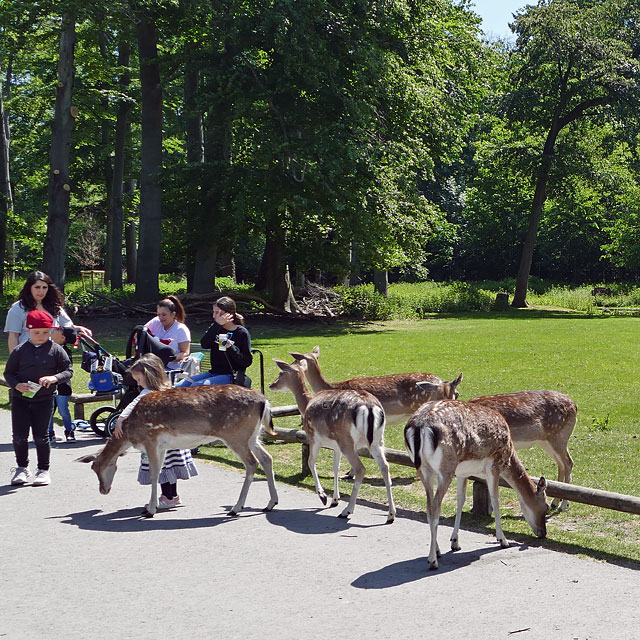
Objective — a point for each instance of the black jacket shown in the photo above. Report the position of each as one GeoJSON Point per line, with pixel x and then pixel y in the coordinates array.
{"type": "Point", "coordinates": [30, 363]}
{"type": "Point", "coordinates": [239, 354]}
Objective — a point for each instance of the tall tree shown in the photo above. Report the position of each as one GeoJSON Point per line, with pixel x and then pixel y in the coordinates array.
{"type": "Point", "coordinates": [120, 145]}
{"type": "Point", "coordinates": [150, 230]}
{"type": "Point", "coordinates": [55, 244]}
{"type": "Point", "coordinates": [6, 198]}
{"type": "Point", "coordinates": [572, 60]}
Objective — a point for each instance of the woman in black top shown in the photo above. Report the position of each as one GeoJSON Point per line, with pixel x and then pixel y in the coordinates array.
{"type": "Point", "coordinates": [230, 345]}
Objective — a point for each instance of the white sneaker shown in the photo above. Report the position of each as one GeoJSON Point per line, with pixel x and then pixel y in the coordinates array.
{"type": "Point", "coordinates": [21, 475]}
{"type": "Point", "coordinates": [42, 478]}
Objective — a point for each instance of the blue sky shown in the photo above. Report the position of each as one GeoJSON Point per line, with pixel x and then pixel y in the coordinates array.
{"type": "Point", "coordinates": [496, 14]}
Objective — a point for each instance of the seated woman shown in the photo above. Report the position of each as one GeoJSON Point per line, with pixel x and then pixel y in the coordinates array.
{"type": "Point", "coordinates": [168, 326]}
{"type": "Point", "coordinates": [230, 345]}
{"type": "Point", "coordinates": [38, 292]}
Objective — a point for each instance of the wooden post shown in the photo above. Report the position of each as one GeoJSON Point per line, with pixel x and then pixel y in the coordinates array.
{"type": "Point", "coordinates": [481, 501]}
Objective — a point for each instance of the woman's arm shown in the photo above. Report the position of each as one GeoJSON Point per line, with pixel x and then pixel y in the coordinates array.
{"type": "Point", "coordinates": [240, 351]}
{"type": "Point", "coordinates": [209, 338]}
{"type": "Point", "coordinates": [183, 350]}
{"type": "Point", "coordinates": [12, 340]}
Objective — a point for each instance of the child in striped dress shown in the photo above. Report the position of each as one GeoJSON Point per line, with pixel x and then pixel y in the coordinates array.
{"type": "Point", "coordinates": [148, 371]}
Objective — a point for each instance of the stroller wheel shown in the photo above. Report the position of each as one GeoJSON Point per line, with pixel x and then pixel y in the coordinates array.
{"type": "Point", "coordinates": [99, 419]}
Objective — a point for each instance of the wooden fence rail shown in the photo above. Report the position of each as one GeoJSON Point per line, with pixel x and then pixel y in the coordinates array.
{"type": "Point", "coordinates": [481, 503]}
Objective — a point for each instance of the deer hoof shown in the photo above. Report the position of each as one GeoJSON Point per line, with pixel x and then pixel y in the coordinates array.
{"type": "Point", "coordinates": [433, 565]}
{"type": "Point", "coordinates": [145, 513]}
{"type": "Point", "coordinates": [232, 513]}
{"type": "Point", "coordinates": [344, 515]}
{"type": "Point", "coordinates": [390, 519]}
{"type": "Point", "coordinates": [323, 498]}
{"type": "Point", "coordinates": [455, 545]}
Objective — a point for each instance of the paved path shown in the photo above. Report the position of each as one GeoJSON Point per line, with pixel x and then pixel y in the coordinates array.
{"type": "Point", "coordinates": [75, 564]}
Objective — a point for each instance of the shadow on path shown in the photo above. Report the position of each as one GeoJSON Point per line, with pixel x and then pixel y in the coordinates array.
{"type": "Point", "coordinates": [406, 571]}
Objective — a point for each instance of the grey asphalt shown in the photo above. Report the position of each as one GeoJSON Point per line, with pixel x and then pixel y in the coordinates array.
{"type": "Point", "coordinates": [75, 564]}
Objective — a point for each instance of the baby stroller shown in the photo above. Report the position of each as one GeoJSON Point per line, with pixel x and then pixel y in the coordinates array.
{"type": "Point", "coordinates": [109, 377]}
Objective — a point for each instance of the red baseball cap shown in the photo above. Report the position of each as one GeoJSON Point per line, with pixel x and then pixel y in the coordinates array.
{"type": "Point", "coordinates": [38, 319]}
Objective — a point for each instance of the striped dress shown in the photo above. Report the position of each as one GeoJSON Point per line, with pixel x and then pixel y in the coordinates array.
{"type": "Point", "coordinates": [178, 463]}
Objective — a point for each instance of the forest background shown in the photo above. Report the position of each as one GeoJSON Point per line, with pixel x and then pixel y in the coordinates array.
{"type": "Point", "coordinates": [271, 141]}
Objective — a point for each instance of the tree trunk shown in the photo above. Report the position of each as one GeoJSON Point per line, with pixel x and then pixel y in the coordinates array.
{"type": "Point", "coordinates": [150, 231]}
{"type": "Point", "coordinates": [105, 127]}
{"type": "Point", "coordinates": [228, 265]}
{"type": "Point", "coordinates": [132, 252]}
{"type": "Point", "coordinates": [120, 144]}
{"type": "Point", "coordinates": [539, 197]}
{"type": "Point", "coordinates": [273, 277]}
{"type": "Point", "coordinates": [55, 243]}
{"type": "Point", "coordinates": [381, 282]}
{"type": "Point", "coordinates": [205, 269]}
{"type": "Point", "coordinates": [6, 200]}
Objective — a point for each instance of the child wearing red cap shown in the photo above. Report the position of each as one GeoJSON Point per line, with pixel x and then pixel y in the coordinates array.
{"type": "Point", "coordinates": [33, 370]}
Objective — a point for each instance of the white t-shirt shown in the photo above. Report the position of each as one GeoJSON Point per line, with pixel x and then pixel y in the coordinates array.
{"type": "Point", "coordinates": [16, 321]}
{"type": "Point", "coordinates": [178, 332]}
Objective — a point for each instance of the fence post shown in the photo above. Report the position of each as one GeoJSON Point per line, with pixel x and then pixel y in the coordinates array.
{"type": "Point", "coordinates": [481, 501]}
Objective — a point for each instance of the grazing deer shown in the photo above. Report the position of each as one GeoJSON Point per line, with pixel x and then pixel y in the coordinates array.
{"type": "Point", "coordinates": [342, 420]}
{"type": "Point", "coordinates": [462, 439]}
{"type": "Point", "coordinates": [183, 418]}
{"type": "Point", "coordinates": [546, 418]}
{"type": "Point", "coordinates": [399, 393]}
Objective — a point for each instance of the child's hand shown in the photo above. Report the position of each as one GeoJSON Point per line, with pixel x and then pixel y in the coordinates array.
{"type": "Point", "coordinates": [47, 381]}
{"type": "Point", "coordinates": [23, 387]}
{"type": "Point", "coordinates": [117, 431]}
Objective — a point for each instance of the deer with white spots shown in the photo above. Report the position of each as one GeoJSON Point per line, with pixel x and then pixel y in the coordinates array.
{"type": "Point", "coordinates": [343, 420]}
{"type": "Point", "coordinates": [542, 417]}
{"type": "Point", "coordinates": [448, 438]}
{"type": "Point", "coordinates": [183, 418]}
{"type": "Point", "coordinates": [399, 393]}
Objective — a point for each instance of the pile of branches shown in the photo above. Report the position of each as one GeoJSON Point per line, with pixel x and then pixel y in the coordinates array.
{"type": "Point", "coordinates": [314, 302]}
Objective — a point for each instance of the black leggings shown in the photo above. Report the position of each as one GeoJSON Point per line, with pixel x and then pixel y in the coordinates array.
{"type": "Point", "coordinates": [169, 489]}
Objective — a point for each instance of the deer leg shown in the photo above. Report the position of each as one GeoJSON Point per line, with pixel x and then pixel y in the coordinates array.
{"type": "Point", "coordinates": [560, 453]}
{"type": "Point", "coordinates": [461, 495]}
{"type": "Point", "coordinates": [337, 456]}
{"type": "Point", "coordinates": [358, 468]}
{"type": "Point", "coordinates": [434, 549]}
{"type": "Point", "coordinates": [377, 452]}
{"type": "Point", "coordinates": [267, 464]}
{"type": "Point", "coordinates": [492, 485]}
{"type": "Point", "coordinates": [156, 458]}
{"type": "Point", "coordinates": [250, 462]}
{"type": "Point", "coordinates": [314, 446]}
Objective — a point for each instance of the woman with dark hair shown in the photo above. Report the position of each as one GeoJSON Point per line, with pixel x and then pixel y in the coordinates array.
{"type": "Point", "coordinates": [38, 292]}
{"type": "Point", "coordinates": [230, 345]}
{"type": "Point", "coordinates": [168, 326]}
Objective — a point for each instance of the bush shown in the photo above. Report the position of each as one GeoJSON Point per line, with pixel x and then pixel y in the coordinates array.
{"type": "Point", "coordinates": [362, 302]}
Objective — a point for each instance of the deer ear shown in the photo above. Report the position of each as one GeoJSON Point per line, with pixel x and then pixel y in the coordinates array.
{"type": "Point", "coordinates": [298, 357]}
{"type": "Point", "coordinates": [316, 351]}
{"type": "Point", "coordinates": [457, 381]}
{"type": "Point", "coordinates": [285, 366]}
{"type": "Point", "coordinates": [427, 386]}
{"type": "Point", "coordinates": [542, 484]}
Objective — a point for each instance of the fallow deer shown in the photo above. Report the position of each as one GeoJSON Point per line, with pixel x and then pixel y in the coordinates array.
{"type": "Point", "coordinates": [448, 438]}
{"type": "Point", "coordinates": [183, 418]}
{"type": "Point", "coordinates": [542, 417]}
{"type": "Point", "coordinates": [399, 393]}
{"type": "Point", "coordinates": [342, 420]}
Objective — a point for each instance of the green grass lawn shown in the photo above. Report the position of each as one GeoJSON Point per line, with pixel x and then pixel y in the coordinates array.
{"type": "Point", "coordinates": [592, 358]}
